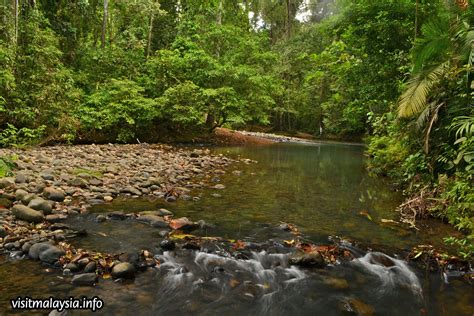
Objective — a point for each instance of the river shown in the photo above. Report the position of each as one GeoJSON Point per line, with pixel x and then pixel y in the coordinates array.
{"type": "Point", "coordinates": [321, 188]}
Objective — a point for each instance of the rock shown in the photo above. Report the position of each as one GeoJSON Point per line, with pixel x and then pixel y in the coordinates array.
{"type": "Point", "coordinates": [108, 198]}
{"type": "Point", "coordinates": [167, 244]}
{"type": "Point", "coordinates": [165, 212]}
{"type": "Point", "coordinates": [171, 199]}
{"type": "Point", "coordinates": [95, 182]}
{"type": "Point", "coordinates": [3, 232]}
{"type": "Point", "coordinates": [78, 182]}
{"type": "Point", "coordinates": [26, 247]}
{"type": "Point", "coordinates": [183, 224]}
{"type": "Point", "coordinates": [311, 260]}
{"type": "Point", "coordinates": [27, 198]}
{"type": "Point", "coordinates": [123, 270]}
{"type": "Point", "coordinates": [9, 246]}
{"type": "Point", "coordinates": [72, 267]}
{"type": "Point", "coordinates": [5, 203]}
{"type": "Point", "coordinates": [53, 194]}
{"type": "Point", "coordinates": [59, 226]}
{"type": "Point", "coordinates": [132, 257]}
{"type": "Point", "coordinates": [100, 218]}
{"type": "Point", "coordinates": [117, 215]}
{"type": "Point", "coordinates": [85, 279]}
{"type": "Point", "coordinates": [336, 283]}
{"type": "Point", "coordinates": [153, 220]}
{"type": "Point", "coordinates": [357, 307]}
{"type": "Point", "coordinates": [20, 194]}
{"type": "Point", "coordinates": [40, 204]}
{"type": "Point", "coordinates": [6, 183]}
{"type": "Point", "coordinates": [163, 233]}
{"type": "Point", "coordinates": [47, 175]}
{"type": "Point", "coordinates": [83, 262]}
{"type": "Point", "coordinates": [131, 190]}
{"type": "Point", "coordinates": [58, 313]}
{"type": "Point", "coordinates": [51, 255]}
{"type": "Point", "coordinates": [27, 214]}
{"type": "Point", "coordinates": [55, 218]}
{"type": "Point", "coordinates": [21, 178]}
{"type": "Point", "coordinates": [90, 267]}
{"type": "Point", "coordinates": [36, 249]}
{"type": "Point", "coordinates": [219, 186]}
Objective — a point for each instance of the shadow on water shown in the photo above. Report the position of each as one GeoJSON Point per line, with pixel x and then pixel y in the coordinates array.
{"type": "Point", "coordinates": [320, 188]}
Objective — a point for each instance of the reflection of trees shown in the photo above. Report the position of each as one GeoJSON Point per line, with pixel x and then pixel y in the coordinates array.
{"type": "Point", "coordinates": [316, 187]}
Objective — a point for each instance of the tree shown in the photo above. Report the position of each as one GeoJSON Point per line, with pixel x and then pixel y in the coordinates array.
{"type": "Point", "coordinates": [444, 53]}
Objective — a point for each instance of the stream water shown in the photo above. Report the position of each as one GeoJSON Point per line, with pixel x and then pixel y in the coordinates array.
{"type": "Point", "coordinates": [321, 188]}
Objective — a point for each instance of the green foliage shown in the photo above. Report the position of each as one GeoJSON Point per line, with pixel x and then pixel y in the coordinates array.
{"type": "Point", "coordinates": [118, 108]}
{"type": "Point", "coordinates": [18, 137]}
{"type": "Point", "coordinates": [6, 165]}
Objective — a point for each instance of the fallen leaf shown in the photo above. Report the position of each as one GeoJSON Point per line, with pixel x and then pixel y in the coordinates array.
{"type": "Point", "coordinates": [239, 245]}
{"type": "Point", "coordinates": [366, 214]}
{"type": "Point", "coordinates": [233, 283]}
{"type": "Point", "coordinates": [289, 243]}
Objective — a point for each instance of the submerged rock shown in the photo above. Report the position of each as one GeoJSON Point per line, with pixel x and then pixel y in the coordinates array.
{"type": "Point", "coordinates": [85, 279]}
{"type": "Point", "coordinates": [167, 244]}
{"type": "Point", "coordinates": [153, 220]}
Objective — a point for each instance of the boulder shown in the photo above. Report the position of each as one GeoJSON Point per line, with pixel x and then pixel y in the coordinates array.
{"type": "Point", "coordinates": [27, 214]}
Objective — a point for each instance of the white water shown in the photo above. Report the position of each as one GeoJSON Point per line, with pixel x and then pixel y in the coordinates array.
{"type": "Point", "coordinates": [391, 272]}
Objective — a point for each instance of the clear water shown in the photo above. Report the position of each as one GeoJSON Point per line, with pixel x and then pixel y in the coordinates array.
{"type": "Point", "coordinates": [322, 189]}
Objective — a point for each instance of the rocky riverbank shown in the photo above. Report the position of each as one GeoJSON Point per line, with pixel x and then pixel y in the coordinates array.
{"type": "Point", "coordinates": [49, 184]}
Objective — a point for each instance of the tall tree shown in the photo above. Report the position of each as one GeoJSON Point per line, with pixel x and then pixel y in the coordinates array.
{"type": "Point", "coordinates": [104, 23]}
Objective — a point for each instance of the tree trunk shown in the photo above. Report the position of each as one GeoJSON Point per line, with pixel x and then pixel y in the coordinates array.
{"type": "Point", "coordinates": [15, 13]}
{"type": "Point", "coordinates": [150, 34]}
{"type": "Point", "coordinates": [219, 13]}
{"type": "Point", "coordinates": [104, 22]}
{"type": "Point", "coordinates": [288, 19]}
{"type": "Point", "coordinates": [416, 18]}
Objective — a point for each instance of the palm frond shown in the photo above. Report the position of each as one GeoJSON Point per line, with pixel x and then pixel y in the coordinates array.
{"type": "Point", "coordinates": [434, 44]}
{"type": "Point", "coordinates": [415, 99]}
